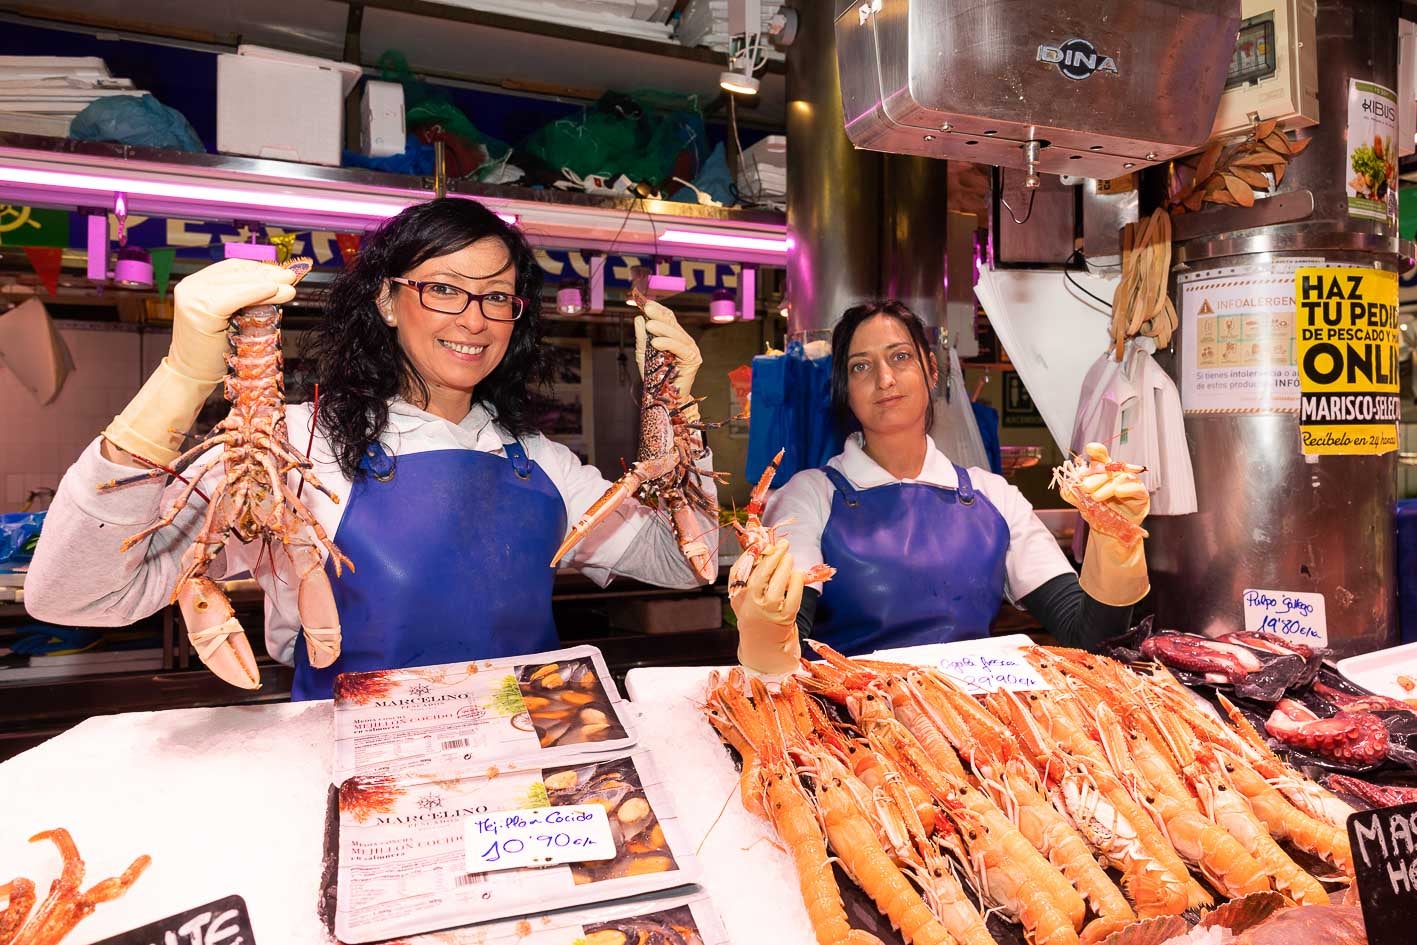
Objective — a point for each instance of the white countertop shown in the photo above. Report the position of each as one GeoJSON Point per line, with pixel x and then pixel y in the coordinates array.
{"type": "Point", "coordinates": [232, 801]}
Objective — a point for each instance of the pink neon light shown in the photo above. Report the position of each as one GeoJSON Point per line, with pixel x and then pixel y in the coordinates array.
{"type": "Point", "coordinates": [724, 241]}
{"type": "Point", "coordinates": [217, 195]}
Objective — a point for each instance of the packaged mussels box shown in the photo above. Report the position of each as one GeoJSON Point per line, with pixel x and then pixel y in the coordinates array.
{"type": "Point", "coordinates": [461, 716]}
{"type": "Point", "coordinates": [655, 919]}
{"type": "Point", "coordinates": [516, 839]}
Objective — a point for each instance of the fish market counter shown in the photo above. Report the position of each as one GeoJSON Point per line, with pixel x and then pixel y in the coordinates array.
{"type": "Point", "coordinates": [232, 801]}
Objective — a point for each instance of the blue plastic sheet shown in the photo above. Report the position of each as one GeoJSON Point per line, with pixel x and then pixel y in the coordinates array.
{"type": "Point", "coordinates": [19, 533]}
{"type": "Point", "coordinates": [791, 412]}
{"type": "Point", "coordinates": [987, 419]}
{"type": "Point", "coordinates": [135, 119]}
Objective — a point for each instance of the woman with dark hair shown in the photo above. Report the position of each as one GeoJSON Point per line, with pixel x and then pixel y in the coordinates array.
{"type": "Point", "coordinates": [440, 491]}
{"type": "Point", "coordinates": [924, 550]}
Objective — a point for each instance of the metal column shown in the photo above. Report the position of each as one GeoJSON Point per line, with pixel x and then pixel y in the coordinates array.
{"type": "Point", "coordinates": [1271, 518]}
{"type": "Point", "coordinates": [833, 190]}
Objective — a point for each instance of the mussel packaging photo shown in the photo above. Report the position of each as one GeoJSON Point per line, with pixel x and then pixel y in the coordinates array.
{"type": "Point", "coordinates": [419, 855]}
{"type": "Point", "coordinates": [458, 717]}
{"type": "Point", "coordinates": [655, 919]}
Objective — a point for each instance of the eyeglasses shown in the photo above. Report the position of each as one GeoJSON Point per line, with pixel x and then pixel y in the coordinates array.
{"type": "Point", "coordinates": [451, 300]}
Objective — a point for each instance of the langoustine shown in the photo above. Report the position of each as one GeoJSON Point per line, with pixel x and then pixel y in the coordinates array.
{"type": "Point", "coordinates": [755, 538]}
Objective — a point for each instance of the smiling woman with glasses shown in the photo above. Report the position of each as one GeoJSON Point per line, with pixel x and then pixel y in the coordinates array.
{"type": "Point", "coordinates": [437, 485]}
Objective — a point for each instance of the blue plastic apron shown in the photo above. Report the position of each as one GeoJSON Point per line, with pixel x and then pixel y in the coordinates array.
{"type": "Point", "coordinates": [914, 563]}
{"type": "Point", "coordinates": [451, 550]}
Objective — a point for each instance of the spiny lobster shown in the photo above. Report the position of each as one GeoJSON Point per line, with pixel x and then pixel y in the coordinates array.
{"type": "Point", "coordinates": [664, 471]}
{"type": "Point", "coordinates": [252, 501]}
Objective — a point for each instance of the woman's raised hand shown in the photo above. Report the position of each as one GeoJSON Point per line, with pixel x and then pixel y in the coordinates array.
{"type": "Point", "coordinates": [766, 608]}
{"type": "Point", "coordinates": [657, 325]}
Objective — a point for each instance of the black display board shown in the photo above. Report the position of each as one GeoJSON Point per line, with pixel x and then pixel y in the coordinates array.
{"type": "Point", "coordinates": [1384, 843]}
{"type": "Point", "coordinates": [223, 922]}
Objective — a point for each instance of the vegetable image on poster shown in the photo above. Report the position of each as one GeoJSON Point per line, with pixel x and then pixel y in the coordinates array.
{"type": "Point", "coordinates": [1347, 346]}
{"type": "Point", "coordinates": [1372, 151]}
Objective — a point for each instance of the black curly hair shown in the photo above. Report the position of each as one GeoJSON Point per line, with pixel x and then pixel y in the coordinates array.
{"type": "Point", "coordinates": [358, 360]}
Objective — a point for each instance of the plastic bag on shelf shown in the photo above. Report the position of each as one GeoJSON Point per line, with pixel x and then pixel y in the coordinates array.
{"type": "Point", "coordinates": [622, 134]}
{"type": "Point", "coordinates": [138, 120]}
{"type": "Point", "coordinates": [956, 432]}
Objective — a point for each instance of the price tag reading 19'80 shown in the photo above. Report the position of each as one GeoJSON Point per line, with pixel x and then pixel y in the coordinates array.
{"type": "Point", "coordinates": [540, 836]}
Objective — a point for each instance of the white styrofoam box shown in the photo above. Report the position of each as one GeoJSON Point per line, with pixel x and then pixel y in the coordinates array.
{"type": "Point", "coordinates": [282, 105]}
{"type": "Point", "coordinates": [382, 131]}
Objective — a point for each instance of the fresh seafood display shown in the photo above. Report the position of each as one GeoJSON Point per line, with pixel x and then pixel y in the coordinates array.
{"type": "Point", "coordinates": [664, 473]}
{"type": "Point", "coordinates": [566, 704]}
{"type": "Point", "coordinates": [1286, 690]}
{"type": "Point", "coordinates": [1089, 481]}
{"type": "Point", "coordinates": [1074, 811]}
{"type": "Point", "coordinates": [66, 904]}
{"type": "Point", "coordinates": [252, 501]}
{"type": "Point", "coordinates": [756, 538]}
{"type": "Point", "coordinates": [615, 786]}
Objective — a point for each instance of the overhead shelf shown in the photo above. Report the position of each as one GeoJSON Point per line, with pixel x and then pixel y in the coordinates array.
{"type": "Point", "coordinates": [439, 40]}
{"type": "Point", "coordinates": [73, 175]}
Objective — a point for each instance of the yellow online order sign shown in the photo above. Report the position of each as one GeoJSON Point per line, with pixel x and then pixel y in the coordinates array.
{"type": "Point", "coordinates": [1347, 348]}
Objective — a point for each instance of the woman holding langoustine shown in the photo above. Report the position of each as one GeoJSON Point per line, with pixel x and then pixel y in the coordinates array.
{"type": "Point", "coordinates": [449, 503]}
{"type": "Point", "coordinates": [924, 550]}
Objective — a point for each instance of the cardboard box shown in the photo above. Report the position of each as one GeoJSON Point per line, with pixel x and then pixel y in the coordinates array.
{"type": "Point", "coordinates": [382, 131]}
{"type": "Point", "coordinates": [273, 104]}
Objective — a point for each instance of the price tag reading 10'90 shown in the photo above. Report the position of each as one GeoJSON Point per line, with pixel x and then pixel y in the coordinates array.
{"type": "Point", "coordinates": [540, 836]}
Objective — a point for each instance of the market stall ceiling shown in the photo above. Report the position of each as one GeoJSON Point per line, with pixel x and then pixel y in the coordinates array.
{"type": "Point", "coordinates": [446, 47]}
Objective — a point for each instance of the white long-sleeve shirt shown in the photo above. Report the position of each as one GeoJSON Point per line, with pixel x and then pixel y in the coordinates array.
{"type": "Point", "coordinates": [800, 509]}
{"type": "Point", "coordinates": [79, 576]}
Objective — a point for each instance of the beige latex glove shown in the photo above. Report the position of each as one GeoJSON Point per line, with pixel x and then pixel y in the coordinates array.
{"type": "Point", "coordinates": [767, 613]}
{"type": "Point", "coordinates": [153, 424]}
{"type": "Point", "coordinates": [659, 324]}
{"type": "Point", "coordinates": [1113, 571]}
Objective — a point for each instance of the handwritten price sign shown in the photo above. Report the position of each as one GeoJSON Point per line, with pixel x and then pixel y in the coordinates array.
{"type": "Point", "coordinates": [1292, 614]}
{"type": "Point", "coordinates": [987, 665]}
{"type": "Point", "coordinates": [542, 836]}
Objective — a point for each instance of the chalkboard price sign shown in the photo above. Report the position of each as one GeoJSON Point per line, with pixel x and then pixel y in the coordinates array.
{"type": "Point", "coordinates": [1384, 843]}
{"type": "Point", "coordinates": [224, 922]}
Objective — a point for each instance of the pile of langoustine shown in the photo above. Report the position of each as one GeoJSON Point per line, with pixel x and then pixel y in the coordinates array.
{"type": "Point", "coordinates": [1034, 800]}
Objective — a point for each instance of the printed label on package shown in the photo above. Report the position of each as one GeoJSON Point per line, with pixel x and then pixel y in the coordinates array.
{"type": "Point", "coordinates": [460, 715]}
{"type": "Point", "coordinates": [417, 855]}
{"type": "Point", "coordinates": [1347, 344]}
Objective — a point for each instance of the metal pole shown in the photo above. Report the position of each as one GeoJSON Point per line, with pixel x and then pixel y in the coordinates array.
{"type": "Point", "coordinates": [1269, 517]}
{"type": "Point", "coordinates": [833, 190]}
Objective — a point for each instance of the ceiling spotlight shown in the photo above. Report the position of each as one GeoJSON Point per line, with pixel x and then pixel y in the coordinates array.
{"type": "Point", "coordinates": [723, 306]}
{"type": "Point", "coordinates": [747, 53]}
{"type": "Point", "coordinates": [739, 83]}
{"type": "Point", "coordinates": [570, 298]}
